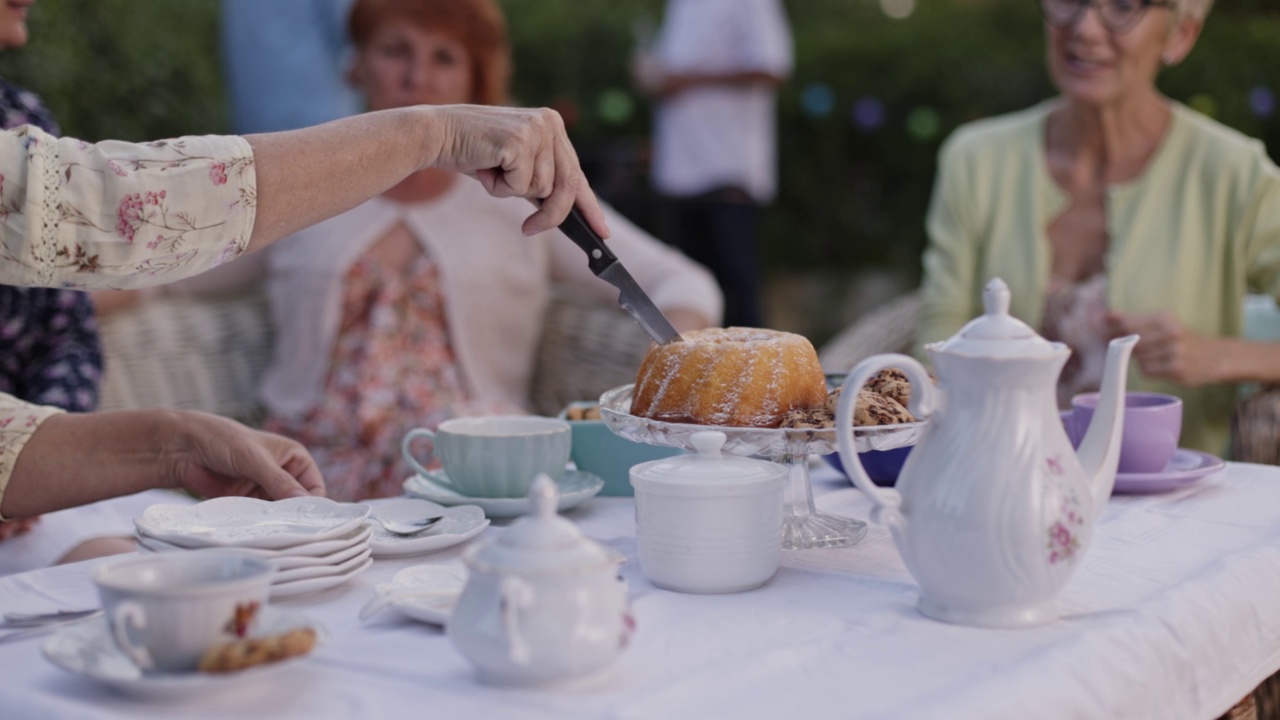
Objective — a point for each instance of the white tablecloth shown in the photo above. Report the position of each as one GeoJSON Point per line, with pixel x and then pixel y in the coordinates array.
{"type": "Point", "coordinates": [1175, 614]}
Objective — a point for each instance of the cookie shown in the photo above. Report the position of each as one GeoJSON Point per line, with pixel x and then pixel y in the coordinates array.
{"type": "Point", "coordinates": [891, 383]}
{"type": "Point", "coordinates": [876, 409]}
{"type": "Point", "coordinates": [809, 418]}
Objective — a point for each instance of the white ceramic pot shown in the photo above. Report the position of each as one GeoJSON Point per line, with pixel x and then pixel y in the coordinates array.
{"type": "Point", "coordinates": [543, 604]}
{"type": "Point", "coordinates": [708, 522]}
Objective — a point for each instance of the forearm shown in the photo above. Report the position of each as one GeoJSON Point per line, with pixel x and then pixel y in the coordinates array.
{"type": "Point", "coordinates": [301, 180]}
{"type": "Point", "coordinates": [1242, 360]}
{"type": "Point", "coordinates": [75, 459]}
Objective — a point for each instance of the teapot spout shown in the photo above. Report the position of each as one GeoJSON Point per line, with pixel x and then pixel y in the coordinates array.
{"type": "Point", "coordinates": [1099, 452]}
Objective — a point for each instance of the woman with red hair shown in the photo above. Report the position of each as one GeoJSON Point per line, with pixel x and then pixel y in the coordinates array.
{"type": "Point", "coordinates": [426, 303]}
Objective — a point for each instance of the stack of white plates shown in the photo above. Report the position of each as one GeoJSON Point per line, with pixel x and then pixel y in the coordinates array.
{"type": "Point", "coordinates": [315, 543]}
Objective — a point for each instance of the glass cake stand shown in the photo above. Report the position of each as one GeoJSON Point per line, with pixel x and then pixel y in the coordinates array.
{"type": "Point", "coordinates": [803, 526]}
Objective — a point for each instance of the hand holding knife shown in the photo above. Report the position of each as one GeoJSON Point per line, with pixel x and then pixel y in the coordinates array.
{"type": "Point", "coordinates": [607, 267]}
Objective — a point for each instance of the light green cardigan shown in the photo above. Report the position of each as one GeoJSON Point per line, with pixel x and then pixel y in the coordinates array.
{"type": "Point", "coordinates": [1192, 234]}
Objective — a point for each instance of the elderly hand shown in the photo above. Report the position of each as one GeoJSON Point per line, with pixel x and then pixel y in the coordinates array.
{"type": "Point", "coordinates": [1169, 350]}
{"type": "Point", "coordinates": [519, 152]}
{"type": "Point", "coordinates": [216, 457]}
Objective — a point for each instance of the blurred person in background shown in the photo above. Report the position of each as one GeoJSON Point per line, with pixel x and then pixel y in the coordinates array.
{"type": "Point", "coordinates": [283, 61]}
{"type": "Point", "coordinates": [425, 303]}
{"type": "Point", "coordinates": [1112, 210]}
{"type": "Point", "coordinates": [714, 72]}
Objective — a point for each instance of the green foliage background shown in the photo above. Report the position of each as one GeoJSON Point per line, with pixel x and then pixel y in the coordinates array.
{"type": "Point", "coordinates": [141, 69]}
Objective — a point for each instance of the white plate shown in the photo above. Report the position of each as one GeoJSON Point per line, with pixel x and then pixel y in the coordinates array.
{"type": "Point", "coordinates": [325, 552]}
{"type": "Point", "coordinates": [315, 571]}
{"type": "Point", "coordinates": [310, 585]}
{"type": "Point", "coordinates": [86, 649]}
{"type": "Point", "coordinates": [459, 524]}
{"type": "Point", "coordinates": [435, 590]}
{"type": "Point", "coordinates": [251, 523]}
{"type": "Point", "coordinates": [575, 486]}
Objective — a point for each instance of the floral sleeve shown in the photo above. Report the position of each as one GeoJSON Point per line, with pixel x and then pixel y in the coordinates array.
{"type": "Point", "coordinates": [18, 420]}
{"type": "Point", "coordinates": [114, 215]}
{"type": "Point", "coordinates": [121, 215]}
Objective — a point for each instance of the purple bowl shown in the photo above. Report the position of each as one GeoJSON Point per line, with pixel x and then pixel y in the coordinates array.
{"type": "Point", "coordinates": [882, 466]}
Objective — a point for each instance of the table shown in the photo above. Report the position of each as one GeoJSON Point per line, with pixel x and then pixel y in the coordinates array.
{"type": "Point", "coordinates": [1175, 613]}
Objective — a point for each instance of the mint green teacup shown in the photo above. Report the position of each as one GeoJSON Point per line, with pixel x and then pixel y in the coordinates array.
{"type": "Point", "coordinates": [493, 457]}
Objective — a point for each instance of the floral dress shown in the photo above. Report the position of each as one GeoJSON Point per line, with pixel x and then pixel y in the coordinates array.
{"type": "Point", "coordinates": [392, 370]}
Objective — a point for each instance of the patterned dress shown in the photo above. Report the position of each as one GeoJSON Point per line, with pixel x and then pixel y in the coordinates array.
{"type": "Point", "coordinates": [392, 370]}
{"type": "Point", "coordinates": [49, 352]}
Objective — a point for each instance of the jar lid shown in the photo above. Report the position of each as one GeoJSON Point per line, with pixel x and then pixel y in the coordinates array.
{"type": "Point", "coordinates": [708, 472]}
{"type": "Point", "coordinates": [996, 333]}
{"type": "Point", "coordinates": [540, 542]}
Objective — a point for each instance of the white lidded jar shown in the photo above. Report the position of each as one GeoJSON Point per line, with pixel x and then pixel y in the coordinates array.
{"type": "Point", "coordinates": [708, 522]}
{"type": "Point", "coordinates": [543, 604]}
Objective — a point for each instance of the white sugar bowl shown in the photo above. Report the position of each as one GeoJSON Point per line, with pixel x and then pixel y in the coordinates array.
{"type": "Point", "coordinates": [708, 522]}
{"type": "Point", "coordinates": [543, 604]}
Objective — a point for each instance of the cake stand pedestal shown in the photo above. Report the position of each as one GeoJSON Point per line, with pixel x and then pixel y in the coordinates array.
{"type": "Point", "coordinates": [803, 526]}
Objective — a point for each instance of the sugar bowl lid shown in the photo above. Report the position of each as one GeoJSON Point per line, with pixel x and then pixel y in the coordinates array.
{"type": "Point", "coordinates": [996, 333]}
{"type": "Point", "coordinates": [707, 472]}
{"type": "Point", "coordinates": [540, 542]}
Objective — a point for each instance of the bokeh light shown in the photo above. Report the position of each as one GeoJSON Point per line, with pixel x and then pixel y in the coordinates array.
{"type": "Point", "coordinates": [818, 100]}
{"type": "Point", "coordinates": [923, 123]}
{"type": "Point", "coordinates": [868, 114]}
{"type": "Point", "coordinates": [1204, 103]}
{"type": "Point", "coordinates": [898, 9]}
{"type": "Point", "coordinates": [1262, 101]}
{"type": "Point", "coordinates": [615, 106]}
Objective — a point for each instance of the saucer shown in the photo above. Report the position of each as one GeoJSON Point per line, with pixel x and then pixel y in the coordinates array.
{"type": "Point", "coordinates": [575, 486]}
{"type": "Point", "coordinates": [433, 591]}
{"type": "Point", "coordinates": [251, 523]}
{"type": "Point", "coordinates": [459, 524]}
{"type": "Point", "coordinates": [1184, 468]}
{"type": "Point", "coordinates": [325, 552]}
{"type": "Point", "coordinates": [87, 649]}
{"type": "Point", "coordinates": [316, 584]}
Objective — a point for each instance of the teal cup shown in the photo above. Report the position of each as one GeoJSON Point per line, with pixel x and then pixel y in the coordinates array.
{"type": "Point", "coordinates": [597, 450]}
{"type": "Point", "coordinates": [492, 457]}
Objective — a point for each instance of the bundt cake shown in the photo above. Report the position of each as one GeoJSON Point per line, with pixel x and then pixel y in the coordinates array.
{"type": "Point", "coordinates": [741, 377]}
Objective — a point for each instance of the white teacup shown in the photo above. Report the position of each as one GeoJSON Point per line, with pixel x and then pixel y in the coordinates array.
{"type": "Point", "coordinates": [493, 457]}
{"type": "Point", "coordinates": [166, 610]}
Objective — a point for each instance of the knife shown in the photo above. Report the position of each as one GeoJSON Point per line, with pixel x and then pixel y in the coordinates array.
{"type": "Point", "coordinates": [607, 267]}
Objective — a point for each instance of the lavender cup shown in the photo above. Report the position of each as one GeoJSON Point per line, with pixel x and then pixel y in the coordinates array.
{"type": "Point", "coordinates": [1152, 426]}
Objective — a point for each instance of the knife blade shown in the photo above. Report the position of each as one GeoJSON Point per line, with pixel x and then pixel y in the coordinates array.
{"type": "Point", "coordinates": [606, 266]}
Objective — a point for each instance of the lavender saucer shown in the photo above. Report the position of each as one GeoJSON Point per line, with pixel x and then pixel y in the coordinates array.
{"type": "Point", "coordinates": [1184, 468]}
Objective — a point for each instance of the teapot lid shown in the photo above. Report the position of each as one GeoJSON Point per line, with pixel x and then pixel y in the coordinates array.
{"type": "Point", "coordinates": [996, 333]}
{"type": "Point", "coordinates": [707, 471]}
{"type": "Point", "coordinates": [541, 541]}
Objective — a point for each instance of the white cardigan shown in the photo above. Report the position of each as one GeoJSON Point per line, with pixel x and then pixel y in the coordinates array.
{"type": "Point", "coordinates": [495, 281]}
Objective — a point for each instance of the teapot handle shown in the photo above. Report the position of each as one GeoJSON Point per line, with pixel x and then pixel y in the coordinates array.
{"type": "Point", "coordinates": [923, 401]}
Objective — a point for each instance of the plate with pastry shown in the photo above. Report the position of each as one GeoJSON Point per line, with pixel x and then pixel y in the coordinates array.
{"type": "Point", "coordinates": [281, 639]}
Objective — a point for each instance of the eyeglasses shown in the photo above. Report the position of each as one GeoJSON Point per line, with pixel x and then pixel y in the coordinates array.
{"type": "Point", "coordinates": [1118, 16]}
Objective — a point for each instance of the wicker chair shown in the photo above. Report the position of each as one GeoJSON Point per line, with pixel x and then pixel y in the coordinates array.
{"type": "Point", "coordinates": [889, 328]}
{"type": "Point", "coordinates": [209, 354]}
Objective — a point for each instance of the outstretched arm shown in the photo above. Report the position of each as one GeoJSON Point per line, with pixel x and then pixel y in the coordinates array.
{"type": "Point", "coordinates": [128, 215]}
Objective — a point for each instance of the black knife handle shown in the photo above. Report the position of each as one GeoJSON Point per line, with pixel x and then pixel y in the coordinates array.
{"type": "Point", "coordinates": [599, 256]}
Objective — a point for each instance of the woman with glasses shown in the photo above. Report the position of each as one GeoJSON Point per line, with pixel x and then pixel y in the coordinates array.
{"type": "Point", "coordinates": [1112, 209]}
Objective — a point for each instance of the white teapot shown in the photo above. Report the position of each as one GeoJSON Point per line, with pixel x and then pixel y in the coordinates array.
{"type": "Point", "coordinates": [994, 508]}
{"type": "Point", "coordinates": [542, 603]}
